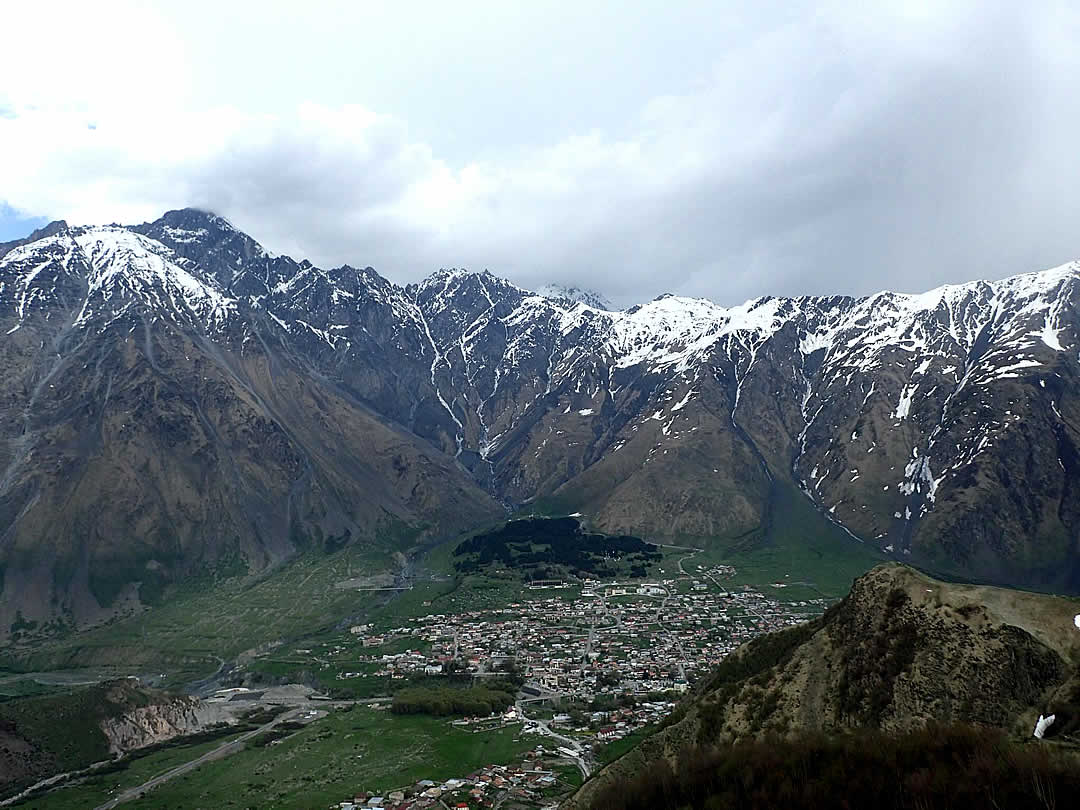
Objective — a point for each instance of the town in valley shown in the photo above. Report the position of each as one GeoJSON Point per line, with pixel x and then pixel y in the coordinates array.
{"type": "Point", "coordinates": [591, 664]}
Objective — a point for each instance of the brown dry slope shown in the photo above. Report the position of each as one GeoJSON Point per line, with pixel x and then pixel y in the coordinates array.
{"type": "Point", "coordinates": [150, 453]}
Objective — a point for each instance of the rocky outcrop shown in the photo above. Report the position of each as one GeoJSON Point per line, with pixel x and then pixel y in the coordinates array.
{"type": "Point", "coordinates": [161, 722]}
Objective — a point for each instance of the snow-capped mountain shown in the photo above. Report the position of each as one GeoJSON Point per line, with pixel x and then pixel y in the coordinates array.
{"type": "Point", "coordinates": [590, 298]}
{"type": "Point", "coordinates": [182, 373]}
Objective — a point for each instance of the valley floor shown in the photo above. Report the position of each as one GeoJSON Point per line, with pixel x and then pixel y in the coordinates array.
{"type": "Point", "coordinates": [597, 663]}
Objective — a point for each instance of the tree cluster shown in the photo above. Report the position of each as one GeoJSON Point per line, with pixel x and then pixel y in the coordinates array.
{"type": "Point", "coordinates": [476, 701]}
{"type": "Point", "coordinates": [545, 548]}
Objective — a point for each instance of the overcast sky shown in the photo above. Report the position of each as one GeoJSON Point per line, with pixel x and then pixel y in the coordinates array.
{"type": "Point", "coordinates": [726, 150]}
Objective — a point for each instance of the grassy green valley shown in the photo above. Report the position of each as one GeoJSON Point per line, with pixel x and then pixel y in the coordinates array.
{"type": "Point", "coordinates": [349, 751]}
{"type": "Point", "coordinates": [287, 626]}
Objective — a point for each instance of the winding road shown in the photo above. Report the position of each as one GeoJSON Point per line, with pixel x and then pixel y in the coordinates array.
{"type": "Point", "coordinates": [542, 727]}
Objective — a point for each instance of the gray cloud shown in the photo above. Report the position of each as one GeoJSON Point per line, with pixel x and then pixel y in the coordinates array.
{"type": "Point", "coordinates": [816, 151]}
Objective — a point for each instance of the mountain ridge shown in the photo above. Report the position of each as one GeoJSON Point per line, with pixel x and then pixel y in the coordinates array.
{"type": "Point", "coordinates": [941, 427]}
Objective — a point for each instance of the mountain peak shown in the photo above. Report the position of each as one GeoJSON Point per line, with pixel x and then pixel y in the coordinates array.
{"type": "Point", "coordinates": [590, 298]}
{"type": "Point", "coordinates": [128, 265]}
{"type": "Point", "coordinates": [53, 228]}
{"type": "Point", "coordinates": [239, 264]}
{"type": "Point", "coordinates": [194, 217]}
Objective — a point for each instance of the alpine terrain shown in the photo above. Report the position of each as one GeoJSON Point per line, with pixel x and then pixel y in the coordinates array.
{"type": "Point", "coordinates": [176, 399]}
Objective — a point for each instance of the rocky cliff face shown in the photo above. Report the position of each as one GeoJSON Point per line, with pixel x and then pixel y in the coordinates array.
{"type": "Point", "coordinates": [232, 407]}
{"type": "Point", "coordinates": [161, 722]}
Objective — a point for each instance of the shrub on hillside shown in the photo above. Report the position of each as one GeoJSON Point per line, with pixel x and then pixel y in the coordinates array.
{"type": "Point", "coordinates": [936, 767]}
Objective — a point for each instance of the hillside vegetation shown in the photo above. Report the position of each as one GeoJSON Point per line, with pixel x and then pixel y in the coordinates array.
{"type": "Point", "coordinates": [935, 767]}
{"type": "Point", "coordinates": [40, 736]}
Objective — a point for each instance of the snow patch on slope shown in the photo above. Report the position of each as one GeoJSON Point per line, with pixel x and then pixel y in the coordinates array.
{"type": "Point", "coordinates": [1049, 335]}
{"type": "Point", "coordinates": [126, 264]}
{"type": "Point", "coordinates": [903, 408]}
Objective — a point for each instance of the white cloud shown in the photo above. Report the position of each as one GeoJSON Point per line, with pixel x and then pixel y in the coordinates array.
{"type": "Point", "coordinates": [825, 150]}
